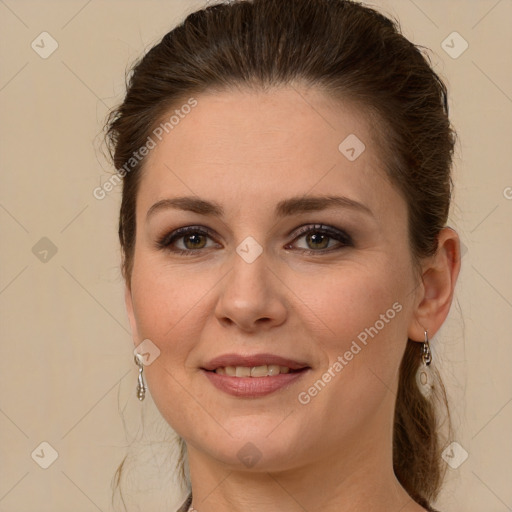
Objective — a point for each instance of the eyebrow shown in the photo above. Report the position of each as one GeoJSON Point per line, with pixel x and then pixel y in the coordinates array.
{"type": "Point", "coordinates": [287, 207]}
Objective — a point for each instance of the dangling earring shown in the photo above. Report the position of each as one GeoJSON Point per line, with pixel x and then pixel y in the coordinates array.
{"type": "Point", "coordinates": [426, 355]}
{"type": "Point", "coordinates": [424, 377]}
{"type": "Point", "coordinates": [141, 387]}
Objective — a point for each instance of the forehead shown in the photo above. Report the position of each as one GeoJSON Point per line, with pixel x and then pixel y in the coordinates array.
{"type": "Point", "coordinates": [260, 147]}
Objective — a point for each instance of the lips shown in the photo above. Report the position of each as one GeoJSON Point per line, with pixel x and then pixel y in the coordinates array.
{"type": "Point", "coordinates": [234, 360]}
{"type": "Point", "coordinates": [281, 373]}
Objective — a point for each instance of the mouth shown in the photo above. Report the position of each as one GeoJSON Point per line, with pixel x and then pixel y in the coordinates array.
{"type": "Point", "coordinates": [253, 376]}
{"type": "Point", "coordinates": [262, 364]}
{"type": "Point", "coordinates": [255, 371]}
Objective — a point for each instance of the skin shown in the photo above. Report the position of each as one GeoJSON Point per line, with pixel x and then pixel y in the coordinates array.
{"type": "Point", "coordinates": [247, 151]}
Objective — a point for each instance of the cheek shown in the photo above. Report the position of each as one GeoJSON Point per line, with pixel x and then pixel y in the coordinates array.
{"type": "Point", "coordinates": [367, 318]}
{"type": "Point", "coordinates": [169, 308]}
{"type": "Point", "coordinates": [361, 332]}
{"type": "Point", "coordinates": [349, 301]}
{"type": "Point", "coordinates": [168, 299]}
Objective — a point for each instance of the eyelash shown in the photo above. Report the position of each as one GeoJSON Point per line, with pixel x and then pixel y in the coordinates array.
{"type": "Point", "coordinates": [167, 240]}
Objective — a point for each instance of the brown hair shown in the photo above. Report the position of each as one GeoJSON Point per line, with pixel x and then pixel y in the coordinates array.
{"type": "Point", "coordinates": [353, 53]}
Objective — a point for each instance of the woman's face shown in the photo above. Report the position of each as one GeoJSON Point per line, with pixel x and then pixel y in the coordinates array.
{"type": "Point", "coordinates": [267, 270]}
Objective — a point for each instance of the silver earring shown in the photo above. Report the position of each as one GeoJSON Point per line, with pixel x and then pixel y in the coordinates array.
{"type": "Point", "coordinates": [424, 376]}
{"type": "Point", "coordinates": [426, 355]}
{"type": "Point", "coordinates": [141, 387]}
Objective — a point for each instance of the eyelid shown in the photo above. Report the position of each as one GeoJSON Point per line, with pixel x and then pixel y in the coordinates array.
{"type": "Point", "coordinates": [328, 230]}
{"type": "Point", "coordinates": [341, 236]}
{"type": "Point", "coordinates": [164, 241]}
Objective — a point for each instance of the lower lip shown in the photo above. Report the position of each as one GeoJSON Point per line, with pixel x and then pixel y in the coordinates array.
{"type": "Point", "coordinates": [252, 387]}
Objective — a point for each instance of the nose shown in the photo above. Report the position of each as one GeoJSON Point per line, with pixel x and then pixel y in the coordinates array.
{"type": "Point", "coordinates": [252, 296]}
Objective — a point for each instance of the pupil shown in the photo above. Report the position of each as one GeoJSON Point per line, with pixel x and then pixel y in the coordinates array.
{"type": "Point", "coordinates": [194, 239]}
{"type": "Point", "coordinates": [315, 240]}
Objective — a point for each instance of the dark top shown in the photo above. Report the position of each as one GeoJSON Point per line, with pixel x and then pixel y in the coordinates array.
{"type": "Point", "coordinates": [188, 502]}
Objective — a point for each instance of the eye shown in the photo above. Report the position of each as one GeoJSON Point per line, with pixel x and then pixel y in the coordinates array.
{"type": "Point", "coordinates": [318, 239]}
{"type": "Point", "coordinates": [192, 239]}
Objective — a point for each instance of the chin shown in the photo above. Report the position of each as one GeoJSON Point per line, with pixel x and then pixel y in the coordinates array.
{"type": "Point", "coordinates": [255, 448]}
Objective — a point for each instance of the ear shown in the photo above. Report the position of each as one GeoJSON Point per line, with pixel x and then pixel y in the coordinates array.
{"type": "Point", "coordinates": [131, 315]}
{"type": "Point", "coordinates": [439, 275]}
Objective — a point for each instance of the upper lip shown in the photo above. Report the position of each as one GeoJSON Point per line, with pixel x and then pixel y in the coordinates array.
{"type": "Point", "coordinates": [253, 360]}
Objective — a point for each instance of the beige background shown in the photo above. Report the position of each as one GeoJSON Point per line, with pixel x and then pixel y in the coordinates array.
{"type": "Point", "coordinates": [66, 364]}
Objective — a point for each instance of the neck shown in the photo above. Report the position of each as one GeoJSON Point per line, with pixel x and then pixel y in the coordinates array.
{"type": "Point", "coordinates": [357, 476]}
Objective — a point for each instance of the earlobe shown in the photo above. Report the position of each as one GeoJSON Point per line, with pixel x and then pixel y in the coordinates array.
{"type": "Point", "coordinates": [439, 276]}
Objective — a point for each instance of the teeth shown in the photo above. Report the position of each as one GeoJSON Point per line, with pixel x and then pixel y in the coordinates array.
{"type": "Point", "coordinates": [259, 371]}
{"type": "Point", "coordinates": [254, 371]}
{"type": "Point", "coordinates": [242, 371]}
